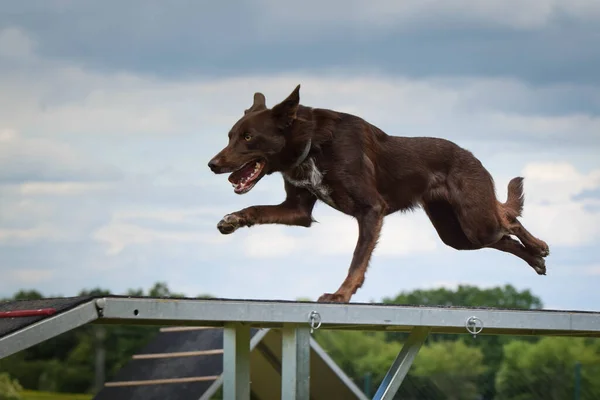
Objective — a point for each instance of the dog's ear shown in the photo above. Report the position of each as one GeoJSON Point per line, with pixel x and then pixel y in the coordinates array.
{"type": "Point", "coordinates": [260, 103]}
{"type": "Point", "coordinates": [285, 112]}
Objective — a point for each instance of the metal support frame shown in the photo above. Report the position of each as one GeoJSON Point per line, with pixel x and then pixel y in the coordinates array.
{"type": "Point", "coordinates": [297, 319]}
{"type": "Point", "coordinates": [236, 361]}
{"type": "Point", "coordinates": [397, 372]}
{"type": "Point", "coordinates": [47, 329]}
{"type": "Point", "coordinates": [295, 368]}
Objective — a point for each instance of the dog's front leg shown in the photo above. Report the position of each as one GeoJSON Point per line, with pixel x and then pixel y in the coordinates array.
{"type": "Point", "coordinates": [283, 213]}
{"type": "Point", "coordinates": [369, 228]}
{"type": "Point", "coordinates": [295, 210]}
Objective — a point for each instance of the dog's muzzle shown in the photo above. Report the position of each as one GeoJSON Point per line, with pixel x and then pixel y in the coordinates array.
{"type": "Point", "coordinates": [217, 167]}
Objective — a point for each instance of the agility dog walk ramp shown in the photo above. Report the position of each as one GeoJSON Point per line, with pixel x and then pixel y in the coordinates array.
{"type": "Point", "coordinates": [241, 322]}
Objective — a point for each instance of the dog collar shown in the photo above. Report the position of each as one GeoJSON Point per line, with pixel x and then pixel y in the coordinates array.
{"type": "Point", "coordinates": [304, 154]}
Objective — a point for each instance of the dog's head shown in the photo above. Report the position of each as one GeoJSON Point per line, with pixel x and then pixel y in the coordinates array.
{"type": "Point", "coordinates": [258, 142]}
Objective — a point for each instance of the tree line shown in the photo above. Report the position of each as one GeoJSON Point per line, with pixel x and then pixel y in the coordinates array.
{"type": "Point", "coordinates": [449, 367]}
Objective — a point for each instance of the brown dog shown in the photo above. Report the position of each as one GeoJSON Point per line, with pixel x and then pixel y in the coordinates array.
{"type": "Point", "coordinates": [361, 171]}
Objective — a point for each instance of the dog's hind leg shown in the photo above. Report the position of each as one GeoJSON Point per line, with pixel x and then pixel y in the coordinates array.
{"type": "Point", "coordinates": [475, 206]}
{"type": "Point", "coordinates": [296, 210]}
{"type": "Point", "coordinates": [512, 209]}
{"type": "Point", "coordinates": [444, 220]}
{"type": "Point", "coordinates": [484, 220]}
{"type": "Point", "coordinates": [510, 245]}
{"type": "Point", "coordinates": [535, 246]}
{"type": "Point", "coordinates": [370, 221]}
{"type": "Point", "coordinates": [448, 227]}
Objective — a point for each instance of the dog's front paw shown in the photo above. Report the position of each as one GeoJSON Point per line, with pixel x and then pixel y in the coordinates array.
{"type": "Point", "coordinates": [229, 224]}
{"type": "Point", "coordinates": [333, 298]}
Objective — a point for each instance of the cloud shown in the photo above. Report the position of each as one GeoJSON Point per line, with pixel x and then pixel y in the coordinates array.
{"type": "Point", "coordinates": [72, 102]}
{"type": "Point", "coordinates": [545, 41]}
{"type": "Point", "coordinates": [26, 235]}
{"type": "Point", "coordinates": [25, 159]}
{"type": "Point", "coordinates": [392, 15]}
{"type": "Point", "coordinates": [21, 277]}
{"type": "Point", "coordinates": [116, 106]}
{"type": "Point", "coordinates": [402, 234]}
{"type": "Point", "coordinates": [269, 242]}
{"type": "Point", "coordinates": [184, 226]}
{"type": "Point", "coordinates": [62, 188]}
{"type": "Point", "coordinates": [558, 182]}
{"type": "Point", "coordinates": [15, 45]}
{"type": "Point", "coordinates": [593, 270]}
{"type": "Point", "coordinates": [553, 211]}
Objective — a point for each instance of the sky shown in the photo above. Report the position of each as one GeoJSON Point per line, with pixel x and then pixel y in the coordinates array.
{"type": "Point", "coordinates": [110, 112]}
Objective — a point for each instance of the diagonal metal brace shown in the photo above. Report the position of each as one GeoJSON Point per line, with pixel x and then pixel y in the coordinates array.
{"type": "Point", "coordinates": [397, 372]}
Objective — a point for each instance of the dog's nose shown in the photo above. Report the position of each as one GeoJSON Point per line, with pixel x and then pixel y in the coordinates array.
{"type": "Point", "coordinates": [212, 164]}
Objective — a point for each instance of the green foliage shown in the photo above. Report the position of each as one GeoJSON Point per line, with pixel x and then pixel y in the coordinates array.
{"type": "Point", "coordinates": [470, 296]}
{"type": "Point", "coordinates": [358, 352]}
{"type": "Point", "coordinates": [545, 370]}
{"type": "Point", "coordinates": [35, 395]}
{"type": "Point", "coordinates": [27, 295]}
{"type": "Point", "coordinates": [453, 367]}
{"type": "Point", "coordinates": [10, 389]}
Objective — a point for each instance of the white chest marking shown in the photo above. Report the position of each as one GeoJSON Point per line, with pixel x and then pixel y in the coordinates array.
{"type": "Point", "coordinates": [311, 179]}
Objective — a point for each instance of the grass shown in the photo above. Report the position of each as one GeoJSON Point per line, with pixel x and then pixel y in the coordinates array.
{"type": "Point", "coordinates": [34, 395]}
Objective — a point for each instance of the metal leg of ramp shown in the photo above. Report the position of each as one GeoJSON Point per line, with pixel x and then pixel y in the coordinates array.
{"type": "Point", "coordinates": [295, 368]}
{"type": "Point", "coordinates": [397, 372]}
{"type": "Point", "coordinates": [236, 361]}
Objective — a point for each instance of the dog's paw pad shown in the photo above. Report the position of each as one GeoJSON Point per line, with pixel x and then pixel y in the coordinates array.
{"type": "Point", "coordinates": [229, 224]}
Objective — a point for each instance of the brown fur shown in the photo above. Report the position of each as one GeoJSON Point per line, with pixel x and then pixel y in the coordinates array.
{"type": "Point", "coordinates": [368, 174]}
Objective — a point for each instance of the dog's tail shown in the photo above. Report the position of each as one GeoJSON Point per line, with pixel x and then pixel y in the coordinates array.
{"type": "Point", "coordinates": [516, 199]}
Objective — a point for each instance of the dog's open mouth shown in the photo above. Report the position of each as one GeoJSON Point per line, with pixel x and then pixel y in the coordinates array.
{"type": "Point", "coordinates": [244, 178]}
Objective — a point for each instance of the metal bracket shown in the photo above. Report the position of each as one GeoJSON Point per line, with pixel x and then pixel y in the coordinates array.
{"type": "Point", "coordinates": [315, 321]}
{"type": "Point", "coordinates": [100, 304]}
{"type": "Point", "coordinates": [472, 326]}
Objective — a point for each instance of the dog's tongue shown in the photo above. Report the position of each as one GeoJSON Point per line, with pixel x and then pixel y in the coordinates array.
{"type": "Point", "coordinates": [245, 172]}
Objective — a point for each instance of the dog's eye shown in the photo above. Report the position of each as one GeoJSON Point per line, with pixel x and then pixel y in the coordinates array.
{"type": "Point", "coordinates": [247, 137]}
